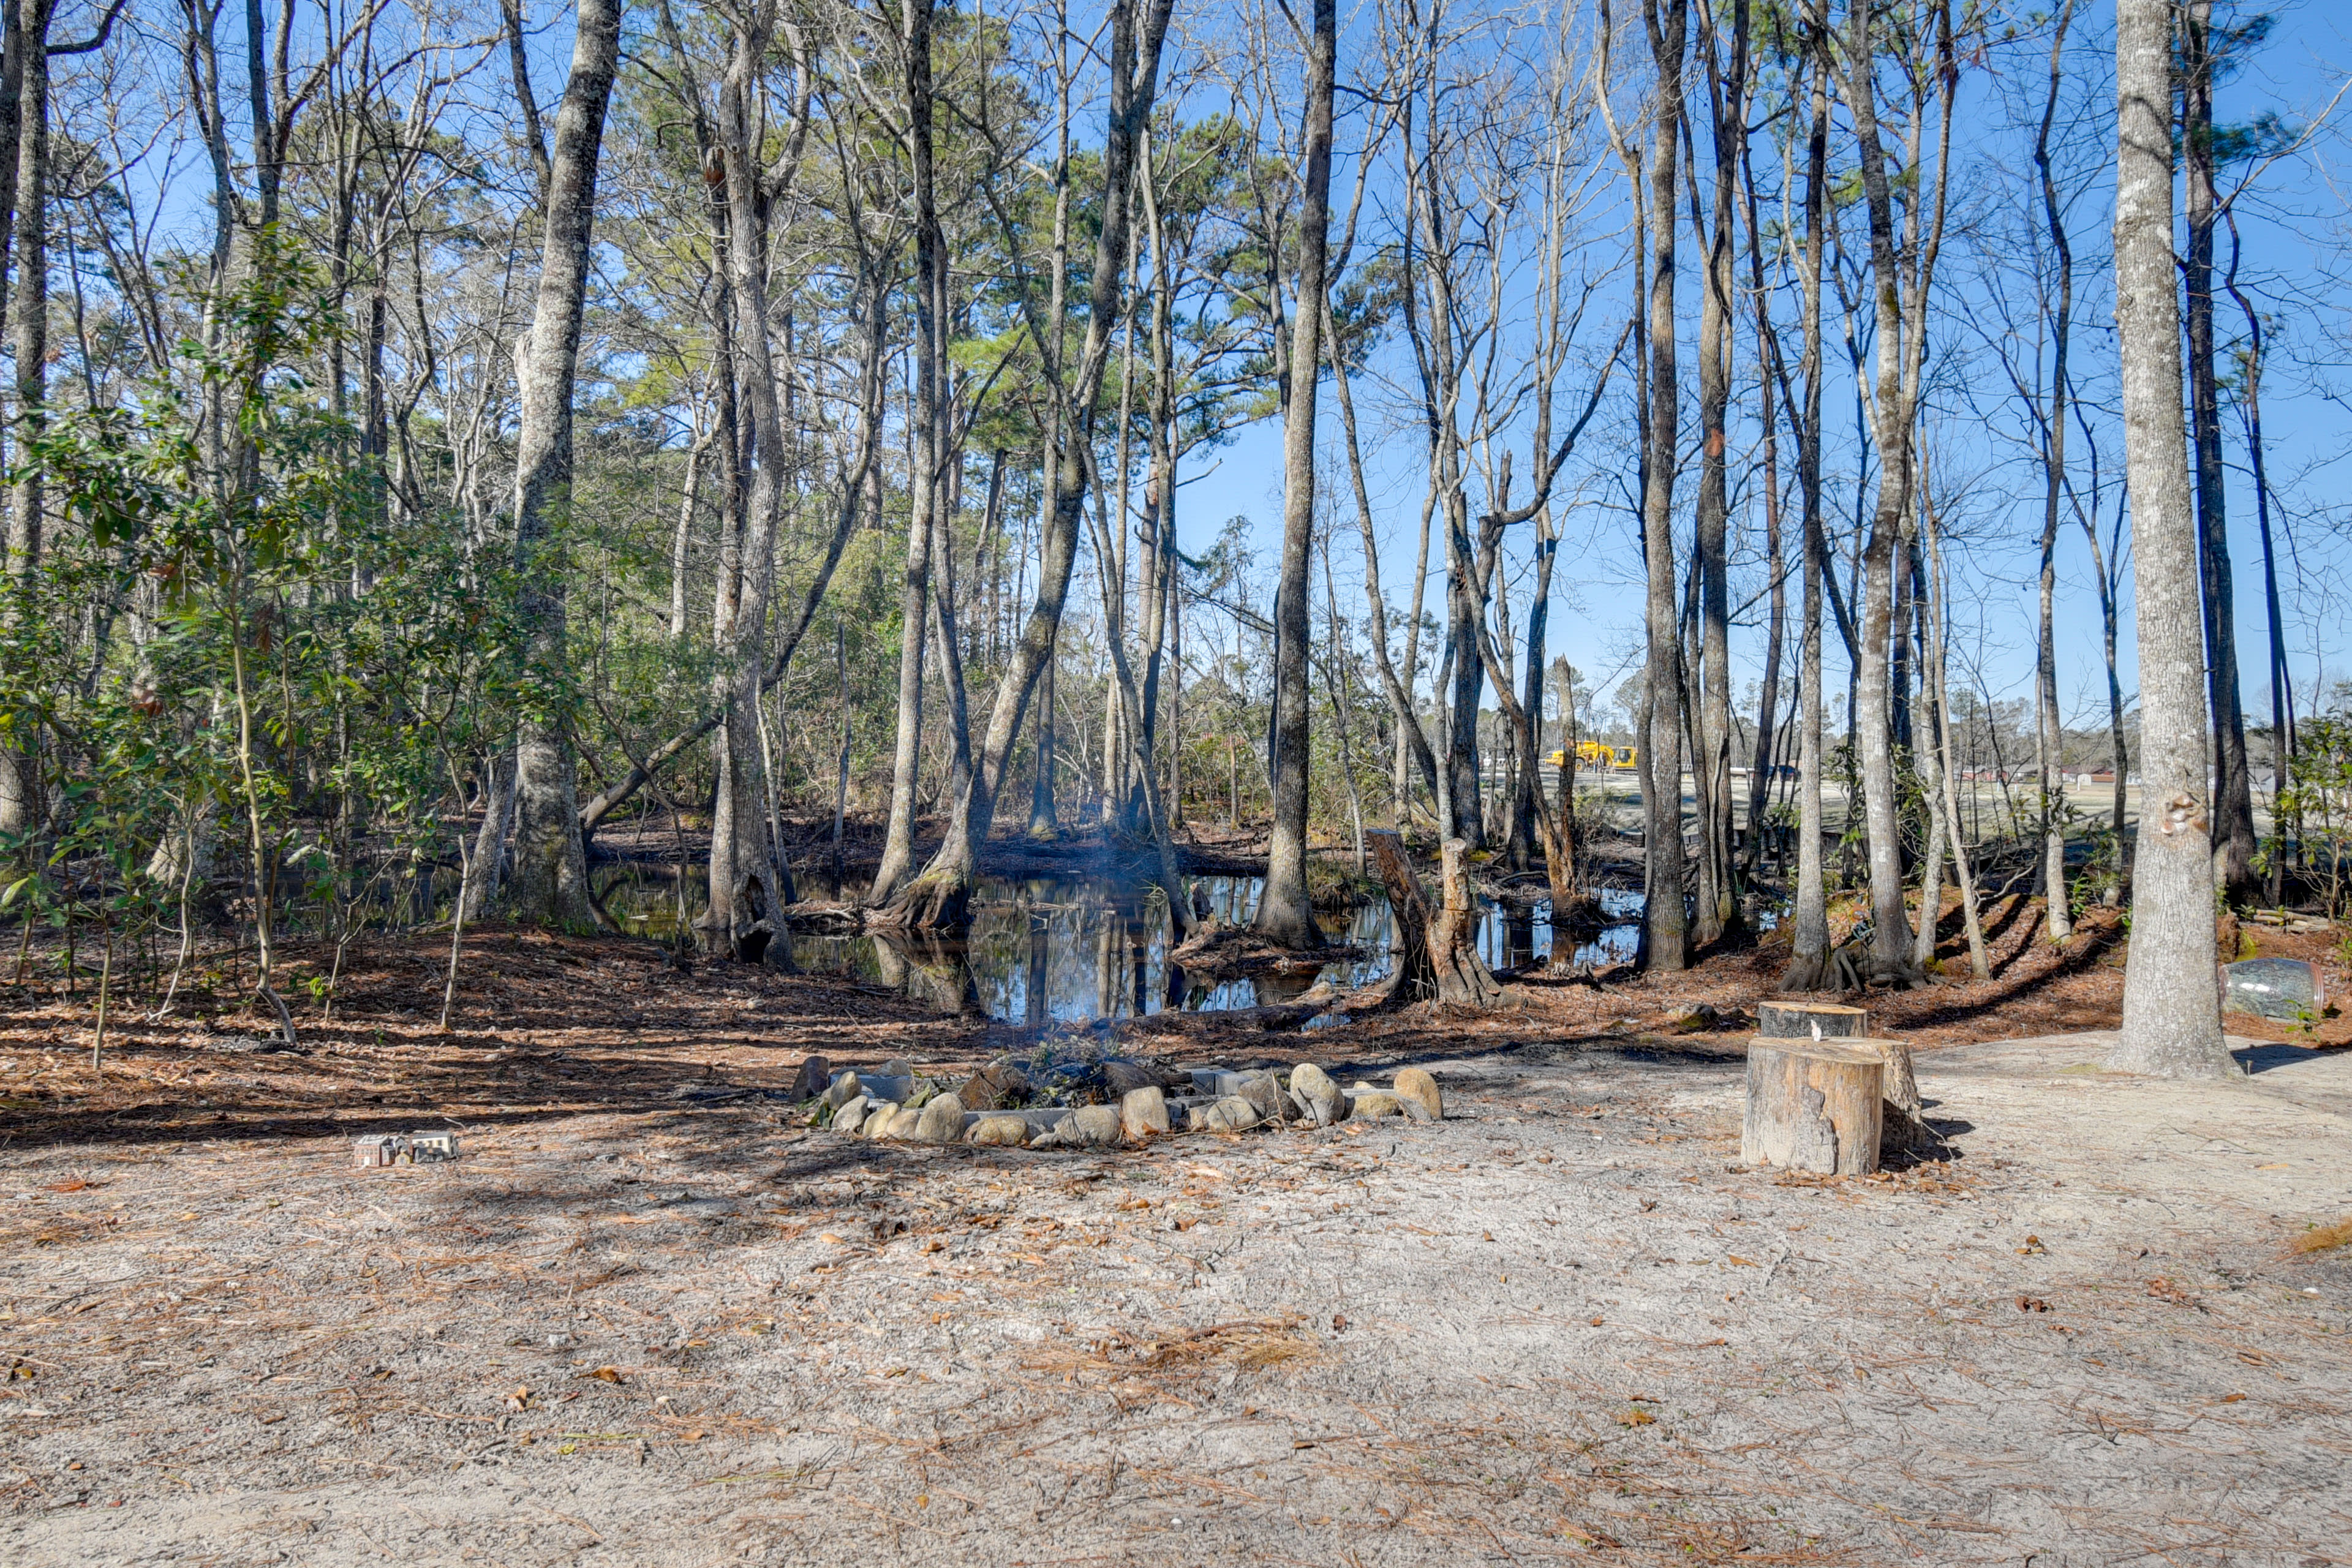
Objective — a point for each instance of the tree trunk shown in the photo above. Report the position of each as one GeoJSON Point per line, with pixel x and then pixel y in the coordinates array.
{"type": "Point", "coordinates": [906, 750]}
{"type": "Point", "coordinates": [550, 880]}
{"type": "Point", "coordinates": [487, 879]}
{"type": "Point", "coordinates": [2172, 1015]}
{"type": "Point", "coordinates": [2282, 686]}
{"type": "Point", "coordinates": [2233, 806]}
{"type": "Point", "coordinates": [747, 892]}
{"type": "Point", "coordinates": [1413, 743]}
{"type": "Point", "coordinates": [928, 515]}
{"type": "Point", "coordinates": [1809, 951]}
{"type": "Point", "coordinates": [1874, 698]}
{"type": "Point", "coordinates": [1812, 1106]}
{"type": "Point", "coordinates": [1664, 922]}
{"type": "Point", "coordinates": [1414, 978]}
{"type": "Point", "coordinates": [2049, 732]}
{"type": "Point", "coordinates": [1043, 823]}
{"type": "Point", "coordinates": [20, 773]}
{"type": "Point", "coordinates": [1768, 370]}
{"type": "Point", "coordinates": [1946, 764]}
{"type": "Point", "coordinates": [1718, 912]}
{"type": "Point", "coordinates": [1437, 952]}
{"type": "Point", "coordinates": [1283, 912]}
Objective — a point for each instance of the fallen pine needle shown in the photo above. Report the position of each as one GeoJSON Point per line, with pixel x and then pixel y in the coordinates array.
{"type": "Point", "coordinates": [2326, 1237]}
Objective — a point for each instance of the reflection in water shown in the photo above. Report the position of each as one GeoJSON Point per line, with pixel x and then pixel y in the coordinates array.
{"type": "Point", "coordinates": [1512, 935]}
{"type": "Point", "coordinates": [1060, 951]}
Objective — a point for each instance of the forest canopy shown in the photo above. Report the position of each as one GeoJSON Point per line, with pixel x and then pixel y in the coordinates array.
{"type": "Point", "coordinates": [445, 442]}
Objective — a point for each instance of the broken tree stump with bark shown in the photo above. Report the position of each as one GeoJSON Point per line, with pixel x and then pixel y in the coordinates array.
{"type": "Point", "coordinates": [1813, 1105]}
{"type": "Point", "coordinates": [1462, 978]}
{"type": "Point", "coordinates": [1414, 979]}
{"type": "Point", "coordinates": [1438, 952]}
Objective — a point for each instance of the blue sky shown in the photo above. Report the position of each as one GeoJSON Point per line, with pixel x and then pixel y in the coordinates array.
{"type": "Point", "coordinates": [2293, 225]}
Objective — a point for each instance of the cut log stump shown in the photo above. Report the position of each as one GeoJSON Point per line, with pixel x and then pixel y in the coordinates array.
{"type": "Point", "coordinates": [1813, 1105]}
{"type": "Point", "coordinates": [1902, 1084]}
{"type": "Point", "coordinates": [1798, 1020]}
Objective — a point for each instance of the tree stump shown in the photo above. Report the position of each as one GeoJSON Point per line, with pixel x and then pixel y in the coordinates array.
{"type": "Point", "coordinates": [1439, 953]}
{"type": "Point", "coordinates": [1901, 1087]}
{"type": "Point", "coordinates": [1850, 1026]}
{"type": "Point", "coordinates": [1812, 1106]}
{"type": "Point", "coordinates": [1805, 1020]}
{"type": "Point", "coordinates": [1463, 977]}
{"type": "Point", "coordinates": [1414, 979]}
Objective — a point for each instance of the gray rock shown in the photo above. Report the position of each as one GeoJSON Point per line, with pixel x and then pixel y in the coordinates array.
{"type": "Point", "coordinates": [999, 1132]}
{"type": "Point", "coordinates": [1090, 1126]}
{"type": "Point", "coordinates": [940, 1121]}
{"type": "Point", "coordinates": [1376, 1103]}
{"type": "Point", "coordinates": [1233, 1114]}
{"type": "Point", "coordinates": [1317, 1094]}
{"type": "Point", "coordinates": [898, 1066]}
{"type": "Point", "coordinates": [1143, 1113]}
{"type": "Point", "coordinates": [1196, 1118]}
{"type": "Point", "coordinates": [838, 1093]}
{"type": "Point", "coordinates": [850, 1115]}
{"type": "Point", "coordinates": [815, 1078]}
{"type": "Point", "coordinates": [877, 1120]}
{"type": "Point", "coordinates": [903, 1122]}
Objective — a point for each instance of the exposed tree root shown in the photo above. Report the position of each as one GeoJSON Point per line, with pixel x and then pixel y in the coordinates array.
{"type": "Point", "coordinates": [938, 900]}
{"type": "Point", "coordinates": [1215, 948]}
{"type": "Point", "coordinates": [1806, 972]}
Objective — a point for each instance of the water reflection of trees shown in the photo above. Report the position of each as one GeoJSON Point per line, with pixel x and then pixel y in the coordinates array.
{"type": "Point", "coordinates": [927, 969]}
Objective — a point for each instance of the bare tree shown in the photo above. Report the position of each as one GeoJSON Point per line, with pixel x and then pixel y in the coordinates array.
{"type": "Point", "coordinates": [2234, 804]}
{"type": "Point", "coordinates": [1665, 935]}
{"type": "Point", "coordinates": [2173, 1019]}
{"type": "Point", "coordinates": [941, 895]}
{"type": "Point", "coordinates": [1808, 953]}
{"type": "Point", "coordinates": [1283, 912]}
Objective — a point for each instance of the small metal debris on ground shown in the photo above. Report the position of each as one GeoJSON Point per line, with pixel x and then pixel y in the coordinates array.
{"type": "Point", "coordinates": [391, 1149]}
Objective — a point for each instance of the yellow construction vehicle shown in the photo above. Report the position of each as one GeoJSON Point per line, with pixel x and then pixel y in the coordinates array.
{"type": "Point", "coordinates": [1597, 755]}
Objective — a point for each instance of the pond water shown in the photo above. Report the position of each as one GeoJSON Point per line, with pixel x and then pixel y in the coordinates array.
{"type": "Point", "coordinates": [1066, 950]}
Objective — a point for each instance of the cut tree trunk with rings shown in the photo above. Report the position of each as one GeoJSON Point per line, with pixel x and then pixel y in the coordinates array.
{"type": "Point", "coordinates": [1813, 1105]}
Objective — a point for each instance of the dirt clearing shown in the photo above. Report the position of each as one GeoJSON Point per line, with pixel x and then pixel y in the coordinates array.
{"type": "Point", "coordinates": [1561, 1325]}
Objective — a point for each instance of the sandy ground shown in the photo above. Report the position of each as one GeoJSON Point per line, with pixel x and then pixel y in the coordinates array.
{"type": "Point", "coordinates": [1562, 1324]}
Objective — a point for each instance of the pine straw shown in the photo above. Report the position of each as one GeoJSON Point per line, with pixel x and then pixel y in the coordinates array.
{"type": "Point", "coordinates": [2325, 1237]}
{"type": "Point", "coordinates": [1253, 1345]}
